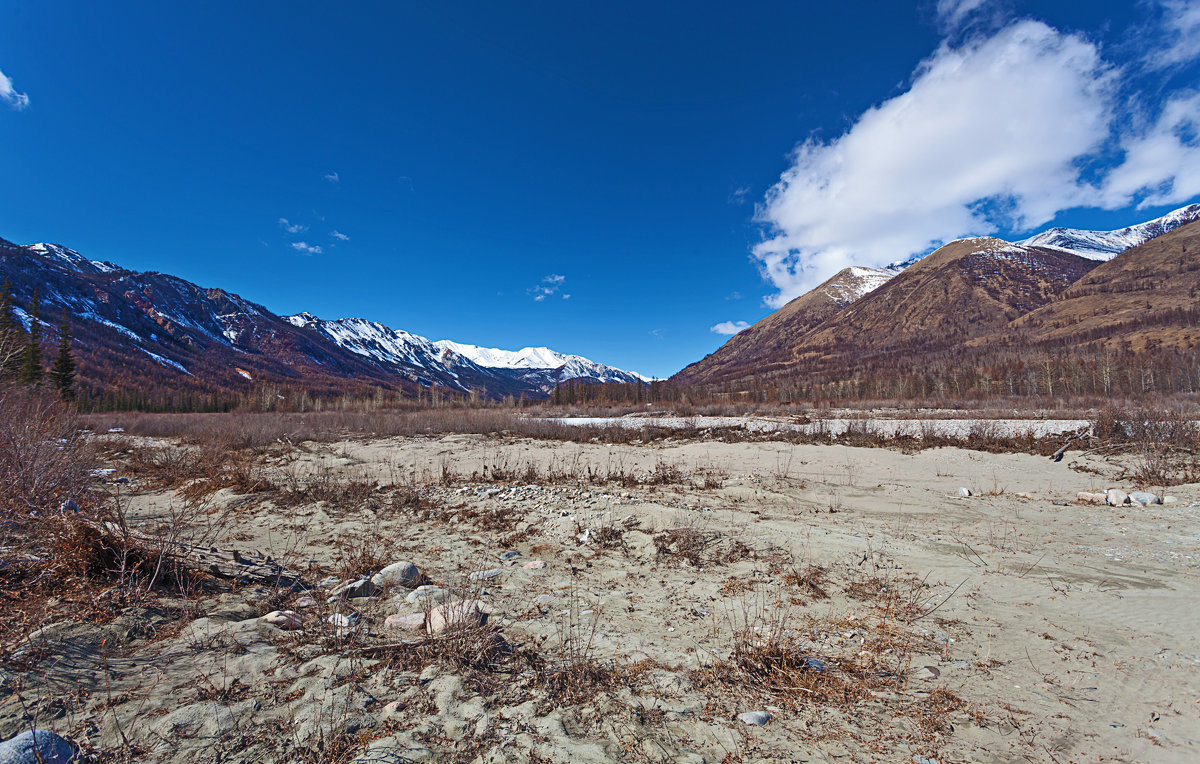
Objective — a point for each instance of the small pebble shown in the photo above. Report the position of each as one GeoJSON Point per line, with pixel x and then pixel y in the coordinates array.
{"type": "Point", "coordinates": [534, 565]}
{"type": "Point", "coordinates": [757, 718]}
{"type": "Point", "coordinates": [480, 575]}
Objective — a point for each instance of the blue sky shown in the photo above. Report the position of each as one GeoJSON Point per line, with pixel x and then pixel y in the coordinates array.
{"type": "Point", "coordinates": [610, 179]}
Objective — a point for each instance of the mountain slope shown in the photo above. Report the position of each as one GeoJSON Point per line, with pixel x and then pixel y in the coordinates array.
{"type": "Point", "coordinates": [769, 343]}
{"type": "Point", "coordinates": [1147, 296]}
{"type": "Point", "coordinates": [965, 289]}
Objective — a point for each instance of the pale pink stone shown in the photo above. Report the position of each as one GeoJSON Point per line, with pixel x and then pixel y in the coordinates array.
{"type": "Point", "coordinates": [288, 620]}
{"type": "Point", "coordinates": [455, 615]}
{"type": "Point", "coordinates": [534, 565]}
{"type": "Point", "coordinates": [405, 622]}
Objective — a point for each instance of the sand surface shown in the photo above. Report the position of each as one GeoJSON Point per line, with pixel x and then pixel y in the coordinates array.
{"type": "Point", "coordinates": [1002, 627]}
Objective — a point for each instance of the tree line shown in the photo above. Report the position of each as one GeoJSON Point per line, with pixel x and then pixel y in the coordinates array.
{"type": "Point", "coordinates": [21, 358]}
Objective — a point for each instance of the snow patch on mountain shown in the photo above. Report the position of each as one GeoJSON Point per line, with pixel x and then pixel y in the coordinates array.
{"type": "Point", "coordinates": [1105, 245]}
{"type": "Point", "coordinates": [857, 282]}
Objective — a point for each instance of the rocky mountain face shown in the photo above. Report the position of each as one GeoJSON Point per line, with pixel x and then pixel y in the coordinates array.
{"type": "Point", "coordinates": [981, 301]}
{"type": "Point", "coordinates": [768, 344]}
{"type": "Point", "coordinates": [154, 331]}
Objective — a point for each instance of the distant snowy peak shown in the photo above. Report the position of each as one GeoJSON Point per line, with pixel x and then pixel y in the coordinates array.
{"type": "Point", "coordinates": [1105, 245]}
{"type": "Point", "coordinates": [854, 282]}
{"type": "Point", "coordinates": [69, 258]}
{"type": "Point", "coordinates": [458, 364]}
{"type": "Point", "coordinates": [572, 366]}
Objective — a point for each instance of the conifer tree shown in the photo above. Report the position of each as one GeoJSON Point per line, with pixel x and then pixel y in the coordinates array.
{"type": "Point", "coordinates": [11, 352]}
{"type": "Point", "coordinates": [31, 369]}
{"type": "Point", "coordinates": [63, 371]}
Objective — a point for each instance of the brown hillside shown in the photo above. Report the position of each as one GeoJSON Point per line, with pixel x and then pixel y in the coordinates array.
{"type": "Point", "coordinates": [770, 343]}
{"type": "Point", "coordinates": [1147, 297]}
{"type": "Point", "coordinates": [968, 288]}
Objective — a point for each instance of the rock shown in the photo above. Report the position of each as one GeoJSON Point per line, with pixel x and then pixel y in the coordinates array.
{"type": "Point", "coordinates": [757, 718]}
{"type": "Point", "coordinates": [927, 673]}
{"type": "Point", "coordinates": [544, 599]}
{"type": "Point", "coordinates": [1086, 497]}
{"type": "Point", "coordinates": [68, 506]}
{"type": "Point", "coordinates": [394, 707]}
{"type": "Point", "coordinates": [1115, 497]}
{"type": "Point", "coordinates": [344, 620]}
{"type": "Point", "coordinates": [408, 622]}
{"type": "Point", "coordinates": [432, 593]}
{"type": "Point", "coordinates": [965, 492]}
{"type": "Point", "coordinates": [325, 583]}
{"type": "Point", "coordinates": [288, 620]}
{"type": "Point", "coordinates": [1170, 500]}
{"type": "Point", "coordinates": [36, 747]}
{"type": "Point", "coordinates": [812, 664]}
{"type": "Point", "coordinates": [305, 602]}
{"type": "Point", "coordinates": [455, 615]}
{"type": "Point", "coordinates": [1145, 498]}
{"type": "Point", "coordinates": [510, 554]}
{"type": "Point", "coordinates": [398, 574]}
{"type": "Point", "coordinates": [480, 575]}
{"type": "Point", "coordinates": [360, 587]}
{"type": "Point", "coordinates": [1023, 495]}
{"type": "Point", "coordinates": [534, 565]}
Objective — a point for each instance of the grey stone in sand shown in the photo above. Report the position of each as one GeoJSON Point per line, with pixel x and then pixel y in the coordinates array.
{"type": "Point", "coordinates": [36, 747]}
{"type": "Point", "coordinates": [510, 554]}
{"type": "Point", "coordinates": [927, 673]}
{"type": "Point", "coordinates": [544, 599]}
{"type": "Point", "coordinates": [965, 492]}
{"type": "Point", "coordinates": [480, 575]}
{"type": "Point", "coordinates": [306, 601]}
{"type": "Point", "coordinates": [357, 588]}
{"type": "Point", "coordinates": [428, 592]}
{"type": "Point", "coordinates": [1145, 498]}
{"type": "Point", "coordinates": [1116, 497]}
{"type": "Point", "coordinates": [325, 583]}
{"type": "Point", "coordinates": [757, 718]}
{"type": "Point", "coordinates": [398, 574]}
{"type": "Point", "coordinates": [344, 620]}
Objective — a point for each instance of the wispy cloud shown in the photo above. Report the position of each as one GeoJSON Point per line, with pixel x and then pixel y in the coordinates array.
{"type": "Point", "coordinates": [305, 248]}
{"type": "Point", "coordinates": [961, 152]}
{"type": "Point", "coordinates": [549, 286]}
{"type": "Point", "coordinates": [340, 236]}
{"type": "Point", "coordinates": [1178, 39]}
{"type": "Point", "coordinates": [10, 96]}
{"type": "Point", "coordinates": [739, 195]}
{"type": "Point", "coordinates": [332, 177]}
{"type": "Point", "coordinates": [729, 327]}
{"type": "Point", "coordinates": [292, 227]}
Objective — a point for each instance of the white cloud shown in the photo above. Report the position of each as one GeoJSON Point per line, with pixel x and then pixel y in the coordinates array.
{"type": "Point", "coordinates": [989, 134]}
{"type": "Point", "coordinates": [306, 248]}
{"type": "Point", "coordinates": [1161, 164]}
{"type": "Point", "coordinates": [549, 285]}
{"type": "Point", "coordinates": [729, 327]}
{"type": "Point", "coordinates": [340, 236]}
{"type": "Point", "coordinates": [955, 14]}
{"type": "Point", "coordinates": [292, 228]}
{"type": "Point", "coordinates": [9, 95]}
{"type": "Point", "coordinates": [1179, 39]}
{"type": "Point", "coordinates": [332, 177]}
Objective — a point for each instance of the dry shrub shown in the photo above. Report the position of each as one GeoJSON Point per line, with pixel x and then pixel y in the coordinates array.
{"type": "Point", "coordinates": [811, 580]}
{"type": "Point", "coordinates": [691, 546]}
{"type": "Point", "coordinates": [44, 458]}
{"type": "Point", "coordinates": [337, 491]}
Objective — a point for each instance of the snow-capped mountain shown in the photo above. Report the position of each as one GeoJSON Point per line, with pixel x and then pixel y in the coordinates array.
{"type": "Point", "coordinates": [1105, 245]}
{"type": "Point", "coordinates": [175, 342]}
{"type": "Point", "coordinates": [458, 365]}
{"type": "Point", "coordinates": [851, 283]}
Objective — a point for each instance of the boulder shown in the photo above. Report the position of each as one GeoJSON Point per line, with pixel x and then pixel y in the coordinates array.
{"type": "Point", "coordinates": [455, 615]}
{"type": "Point", "coordinates": [1145, 498]}
{"type": "Point", "coordinates": [965, 492]}
{"type": "Point", "coordinates": [398, 574]}
{"type": "Point", "coordinates": [1086, 497]}
{"type": "Point", "coordinates": [344, 620]}
{"type": "Point", "coordinates": [36, 747]}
